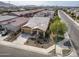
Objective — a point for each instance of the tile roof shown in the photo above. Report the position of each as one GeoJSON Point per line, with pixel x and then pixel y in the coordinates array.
{"type": "Point", "coordinates": [38, 23]}
{"type": "Point", "coordinates": [26, 12]}
{"type": "Point", "coordinates": [16, 22]}
{"type": "Point", "coordinates": [6, 17]}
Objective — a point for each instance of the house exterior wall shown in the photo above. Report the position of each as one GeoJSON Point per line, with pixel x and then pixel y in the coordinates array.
{"type": "Point", "coordinates": [27, 30]}
{"type": "Point", "coordinates": [12, 28]}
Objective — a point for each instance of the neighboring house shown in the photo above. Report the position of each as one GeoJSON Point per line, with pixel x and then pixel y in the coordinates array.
{"type": "Point", "coordinates": [41, 14]}
{"type": "Point", "coordinates": [45, 13]}
{"type": "Point", "coordinates": [15, 24]}
{"type": "Point", "coordinates": [6, 18]}
{"type": "Point", "coordinates": [51, 14]}
{"type": "Point", "coordinates": [29, 13]}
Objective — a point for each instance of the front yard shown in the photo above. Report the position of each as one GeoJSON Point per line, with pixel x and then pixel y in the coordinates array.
{"type": "Point", "coordinates": [40, 45]}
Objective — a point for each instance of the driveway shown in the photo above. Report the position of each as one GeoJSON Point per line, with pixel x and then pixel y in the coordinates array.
{"type": "Point", "coordinates": [3, 37]}
{"type": "Point", "coordinates": [21, 38]}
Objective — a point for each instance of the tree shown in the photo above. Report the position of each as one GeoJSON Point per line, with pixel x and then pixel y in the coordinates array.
{"type": "Point", "coordinates": [69, 12]}
{"type": "Point", "coordinates": [72, 14]}
{"type": "Point", "coordinates": [65, 10]}
{"type": "Point", "coordinates": [56, 12]}
{"type": "Point", "coordinates": [78, 17]}
{"type": "Point", "coordinates": [57, 28]}
{"type": "Point", "coordinates": [56, 18]}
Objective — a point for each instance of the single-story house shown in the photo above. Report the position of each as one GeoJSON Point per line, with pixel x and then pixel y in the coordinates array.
{"type": "Point", "coordinates": [29, 13]}
{"type": "Point", "coordinates": [15, 24]}
{"type": "Point", "coordinates": [36, 24]}
{"type": "Point", "coordinates": [45, 13]}
{"type": "Point", "coordinates": [6, 18]}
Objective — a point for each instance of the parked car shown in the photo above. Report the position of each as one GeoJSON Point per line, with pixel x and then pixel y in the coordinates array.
{"type": "Point", "coordinates": [4, 32]}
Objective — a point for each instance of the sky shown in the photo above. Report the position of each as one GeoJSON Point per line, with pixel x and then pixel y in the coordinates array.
{"type": "Point", "coordinates": [45, 3]}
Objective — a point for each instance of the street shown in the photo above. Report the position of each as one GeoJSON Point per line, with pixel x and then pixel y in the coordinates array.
{"type": "Point", "coordinates": [13, 52]}
{"type": "Point", "coordinates": [72, 30]}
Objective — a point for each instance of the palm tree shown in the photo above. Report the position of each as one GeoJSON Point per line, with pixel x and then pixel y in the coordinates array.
{"type": "Point", "coordinates": [57, 29]}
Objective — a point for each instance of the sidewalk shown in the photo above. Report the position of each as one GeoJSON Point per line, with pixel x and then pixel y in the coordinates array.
{"type": "Point", "coordinates": [27, 47]}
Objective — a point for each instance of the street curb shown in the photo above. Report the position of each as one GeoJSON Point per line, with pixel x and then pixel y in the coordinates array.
{"type": "Point", "coordinates": [27, 47]}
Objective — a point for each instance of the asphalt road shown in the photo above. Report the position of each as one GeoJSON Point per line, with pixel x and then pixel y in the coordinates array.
{"type": "Point", "coordinates": [13, 52]}
{"type": "Point", "coordinates": [72, 30]}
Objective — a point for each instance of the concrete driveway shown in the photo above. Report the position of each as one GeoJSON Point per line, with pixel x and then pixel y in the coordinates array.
{"type": "Point", "coordinates": [21, 38]}
{"type": "Point", "coordinates": [3, 37]}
